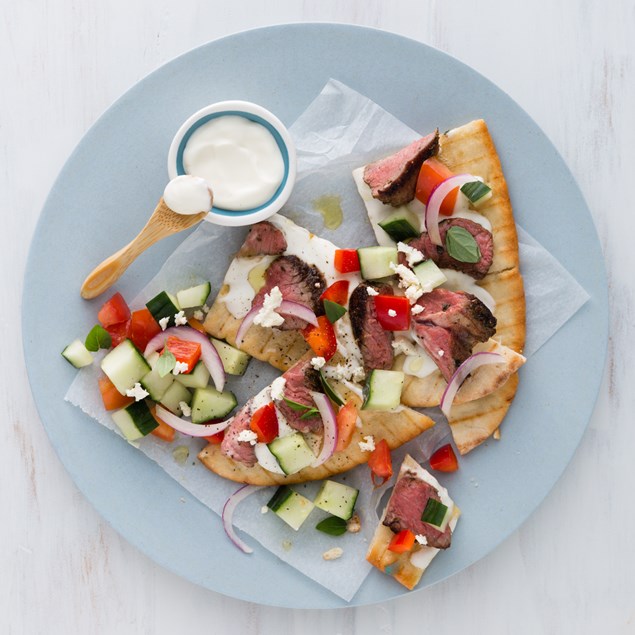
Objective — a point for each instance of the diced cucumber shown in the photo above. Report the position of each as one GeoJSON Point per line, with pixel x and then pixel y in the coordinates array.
{"type": "Point", "coordinates": [429, 275]}
{"type": "Point", "coordinates": [401, 225]}
{"type": "Point", "coordinates": [383, 390]}
{"type": "Point", "coordinates": [125, 366]}
{"type": "Point", "coordinates": [135, 421]}
{"type": "Point", "coordinates": [156, 385]}
{"type": "Point", "coordinates": [77, 354]}
{"type": "Point", "coordinates": [437, 514]}
{"type": "Point", "coordinates": [292, 452]}
{"type": "Point", "coordinates": [208, 404]}
{"type": "Point", "coordinates": [337, 499]}
{"type": "Point", "coordinates": [234, 361]}
{"type": "Point", "coordinates": [174, 395]}
{"type": "Point", "coordinates": [375, 262]}
{"type": "Point", "coordinates": [194, 296]}
{"type": "Point", "coordinates": [292, 507]}
{"type": "Point", "coordinates": [198, 378]}
{"type": "Point", "coordinates": [163, 305]}
{"type": "Point", "coordinates": [477, 192]}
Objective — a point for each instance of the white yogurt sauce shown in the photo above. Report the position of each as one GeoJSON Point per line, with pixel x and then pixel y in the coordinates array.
{"type": "Point", "coordinates": [241, 294]}
{"type": "Point", "coordinates": [188, 195]}
{"type": "Point", "coordinates": [239, 158]}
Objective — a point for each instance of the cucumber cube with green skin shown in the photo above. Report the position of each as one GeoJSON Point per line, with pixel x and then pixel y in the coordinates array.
{"type": "Point", "coordinates": [337, 499]}
{"type": "Point", "coordinates": [163, 305]}
{"type": "Point", "coordinates": [208, 403]}
{"type": "Point", "coordinates": [429, 275]}
{"type": "Point", "coordinates": [77, 354]}
{"type": "Point", "coordinates": [156, 385]}
{"type": "Point", "coordinates": [375, 262]}
{"type": "Point", "coordinates": [401, 225]}
{"type": "Point", "coordinates": [383, 390]}
{"type": "Point", "coordinates": [174, 395]}
{"type": "Point", "coordinates": [194, 296]}
{"type": "Point", "coordinates": [290, 506]}
{"type": "Point", "coordinates": [292, 453]}
{"type": "Point", "coordinates": [124, 365]}
{"type": "Point", "coordinates": [135, 421]}
{"type": "Point", "coordinates": [198, 378]}
{"type": "Point", "coordinates": [234, 361]}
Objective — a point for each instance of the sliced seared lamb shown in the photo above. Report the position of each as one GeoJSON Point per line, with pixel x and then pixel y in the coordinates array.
{"type": "Point", "coordinates": [241, 451]}
{"type": "Point", "coordinates": [374, 343]}
{"type": "Point", "coordinates": [298, 282]}
{"type": "Point", "coordinates": [263, 239]}
{"type": "Point", "coordinates": [449, 326]}
{"type": "Point", "coordinates": [393, 180]}
{"type": "Point", "coordinates": [301, 380]}
{"type": "Point", "coordinates": [405, 508]}
{"type": "Point", "coordinates": [443, 259]}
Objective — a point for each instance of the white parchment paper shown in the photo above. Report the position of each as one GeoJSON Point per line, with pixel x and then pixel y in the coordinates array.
{"type": "Point", "coordinates": [339, 131]}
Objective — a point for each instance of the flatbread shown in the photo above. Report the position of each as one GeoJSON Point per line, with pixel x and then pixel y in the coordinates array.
{"type": "Point", "coordinates": [399, 565]}
{"type": "Point", "coordinates": [397, 427]}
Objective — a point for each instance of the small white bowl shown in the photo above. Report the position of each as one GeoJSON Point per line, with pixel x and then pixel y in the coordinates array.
{"type": "Point", "coordinates": [260, 115]}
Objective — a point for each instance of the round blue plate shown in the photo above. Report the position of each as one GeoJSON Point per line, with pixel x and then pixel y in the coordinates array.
{"type": "Point", "coordinates": [112, 182]}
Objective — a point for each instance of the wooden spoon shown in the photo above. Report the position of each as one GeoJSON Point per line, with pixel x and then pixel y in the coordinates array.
{"type": "Point", "coordinates": [163, 223]}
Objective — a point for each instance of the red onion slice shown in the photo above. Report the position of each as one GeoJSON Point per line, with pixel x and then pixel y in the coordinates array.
{"type": "Point", "coordinates": [209, 354]}
{"type": "Point", "coordinates": [292, 309]}
{"type": "Point", "coordinates": [189, 428]}
{"type": "Point", "coordinates": [228, 514]}
{"type": "Point", "coordinates": [329, 418]}
{"type": "Point", "coordinates": [436, 199]}
{"type": "Point", "coordinates": [467, 367]}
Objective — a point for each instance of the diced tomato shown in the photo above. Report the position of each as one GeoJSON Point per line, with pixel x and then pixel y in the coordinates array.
{"type": "Point", "coordinates": [346, 260]}
{"type": "Point", "coordinates": [321, 338]}
{"type": "Point", "coordinates": [184, 351]}
{"type": "Point", "coordinates": [112, 398]}
{"type": "Point", "coordinates": [380, 463]}
{"type": "Point", "coordinates": [432, 173]}
{"type": "Point", "coordinates": [444, 459]}
{"type": "Point", "coordinates": [393, 312]}
{"type": "Point", "coordinates": [402, 542]}
{"type": "Point", "coordinates": [115, 311]}
{"type": "Point", "coordinates": [264, 422]}
{"type": "Point", "coordinates": [217, 438]}
{"type": "Point", "coordinates": [337, 292]}
{"type": "Point", "coordinates": [143, 327]}
{"type": "Point", "coordinates": [346, 421]}
{"type": "Point", "coordinates": [164, 431]}
{"type": "Point", "coordinates": [196, 324]}
{"type": "Point", "coordinates": [119, 332]}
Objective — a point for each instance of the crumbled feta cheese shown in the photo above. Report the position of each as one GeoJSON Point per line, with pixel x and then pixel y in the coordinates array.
{"type": "Point", "coordinates": [277, 388]}
{"type": "Point", "coordinates": [317, 285]}
{"type": "Point", "coordinates": [416, 309]}
{"type": "Point", "coordinates": [137, 391]}
{"type": "Point", "coordinates": [368, 444]}
{"type": "Point", "coordinates": [403, 345]}
{"type": "Point", "coordinates": [413, 256]}
{"type": "Point", "coordinates": [343, 372]}
{"type": "Point", "coordinates": [421, 539]}
{"type": "Point", "coordinates": [163, 322]}
{"type": "Point", "coordinates": [318, 362]}
{"type": "Point", "coordinates": [206, 308]}
{"type": "Point", "coordinates": [392, 313]}
{"type": "Point", "coordinates": [264, 509]}
{"type": "Point", "coordinates": [180, 319]}
{"type": "Point", "coordinates": [333, 554]}
{"type": "Point", "coordinates": [198, 315]}
{"type": "Point", "coordinates": [179, 368]}
{"type": "Point", "coordinates": [267, 315]}
{"type": "Point", "coordinates": [185, 409]}
{"type": "Point", "coordinates": [371, 291]}
{"type": "Point", "coordinates": [359, 373]}
{"type": "Point", "coordinates": [440, 353]}
{"type": "Point", "coordinates": [354, 524]}
{"type": "Point", "coordinates": [248, 436]}
{"type": "Point", "coordinates": [408, 281]}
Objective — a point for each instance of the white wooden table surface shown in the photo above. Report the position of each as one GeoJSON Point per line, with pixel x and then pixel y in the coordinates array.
{"type": "Point", "coordinates": [570, 569]}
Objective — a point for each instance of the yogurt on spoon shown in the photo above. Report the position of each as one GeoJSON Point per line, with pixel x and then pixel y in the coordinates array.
{"type": "Point", "coordinates": [188, 195]}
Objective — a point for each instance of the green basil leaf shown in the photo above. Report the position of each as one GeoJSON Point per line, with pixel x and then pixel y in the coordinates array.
{"type": "Point", "coordinates": [461, 245]}
{"type": "Point", "coordinates": [98, 338]}
{"type": "Point", "coordinates": [332, 525]}
{"type": "Point", "coordinates": [165, 363]}
{"type": "Point", "coordinates": [294, 405]}
{"type": "Point", "coordinates": [333, 310]}
{"type": "Point", "coordinates": [310, 413]}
